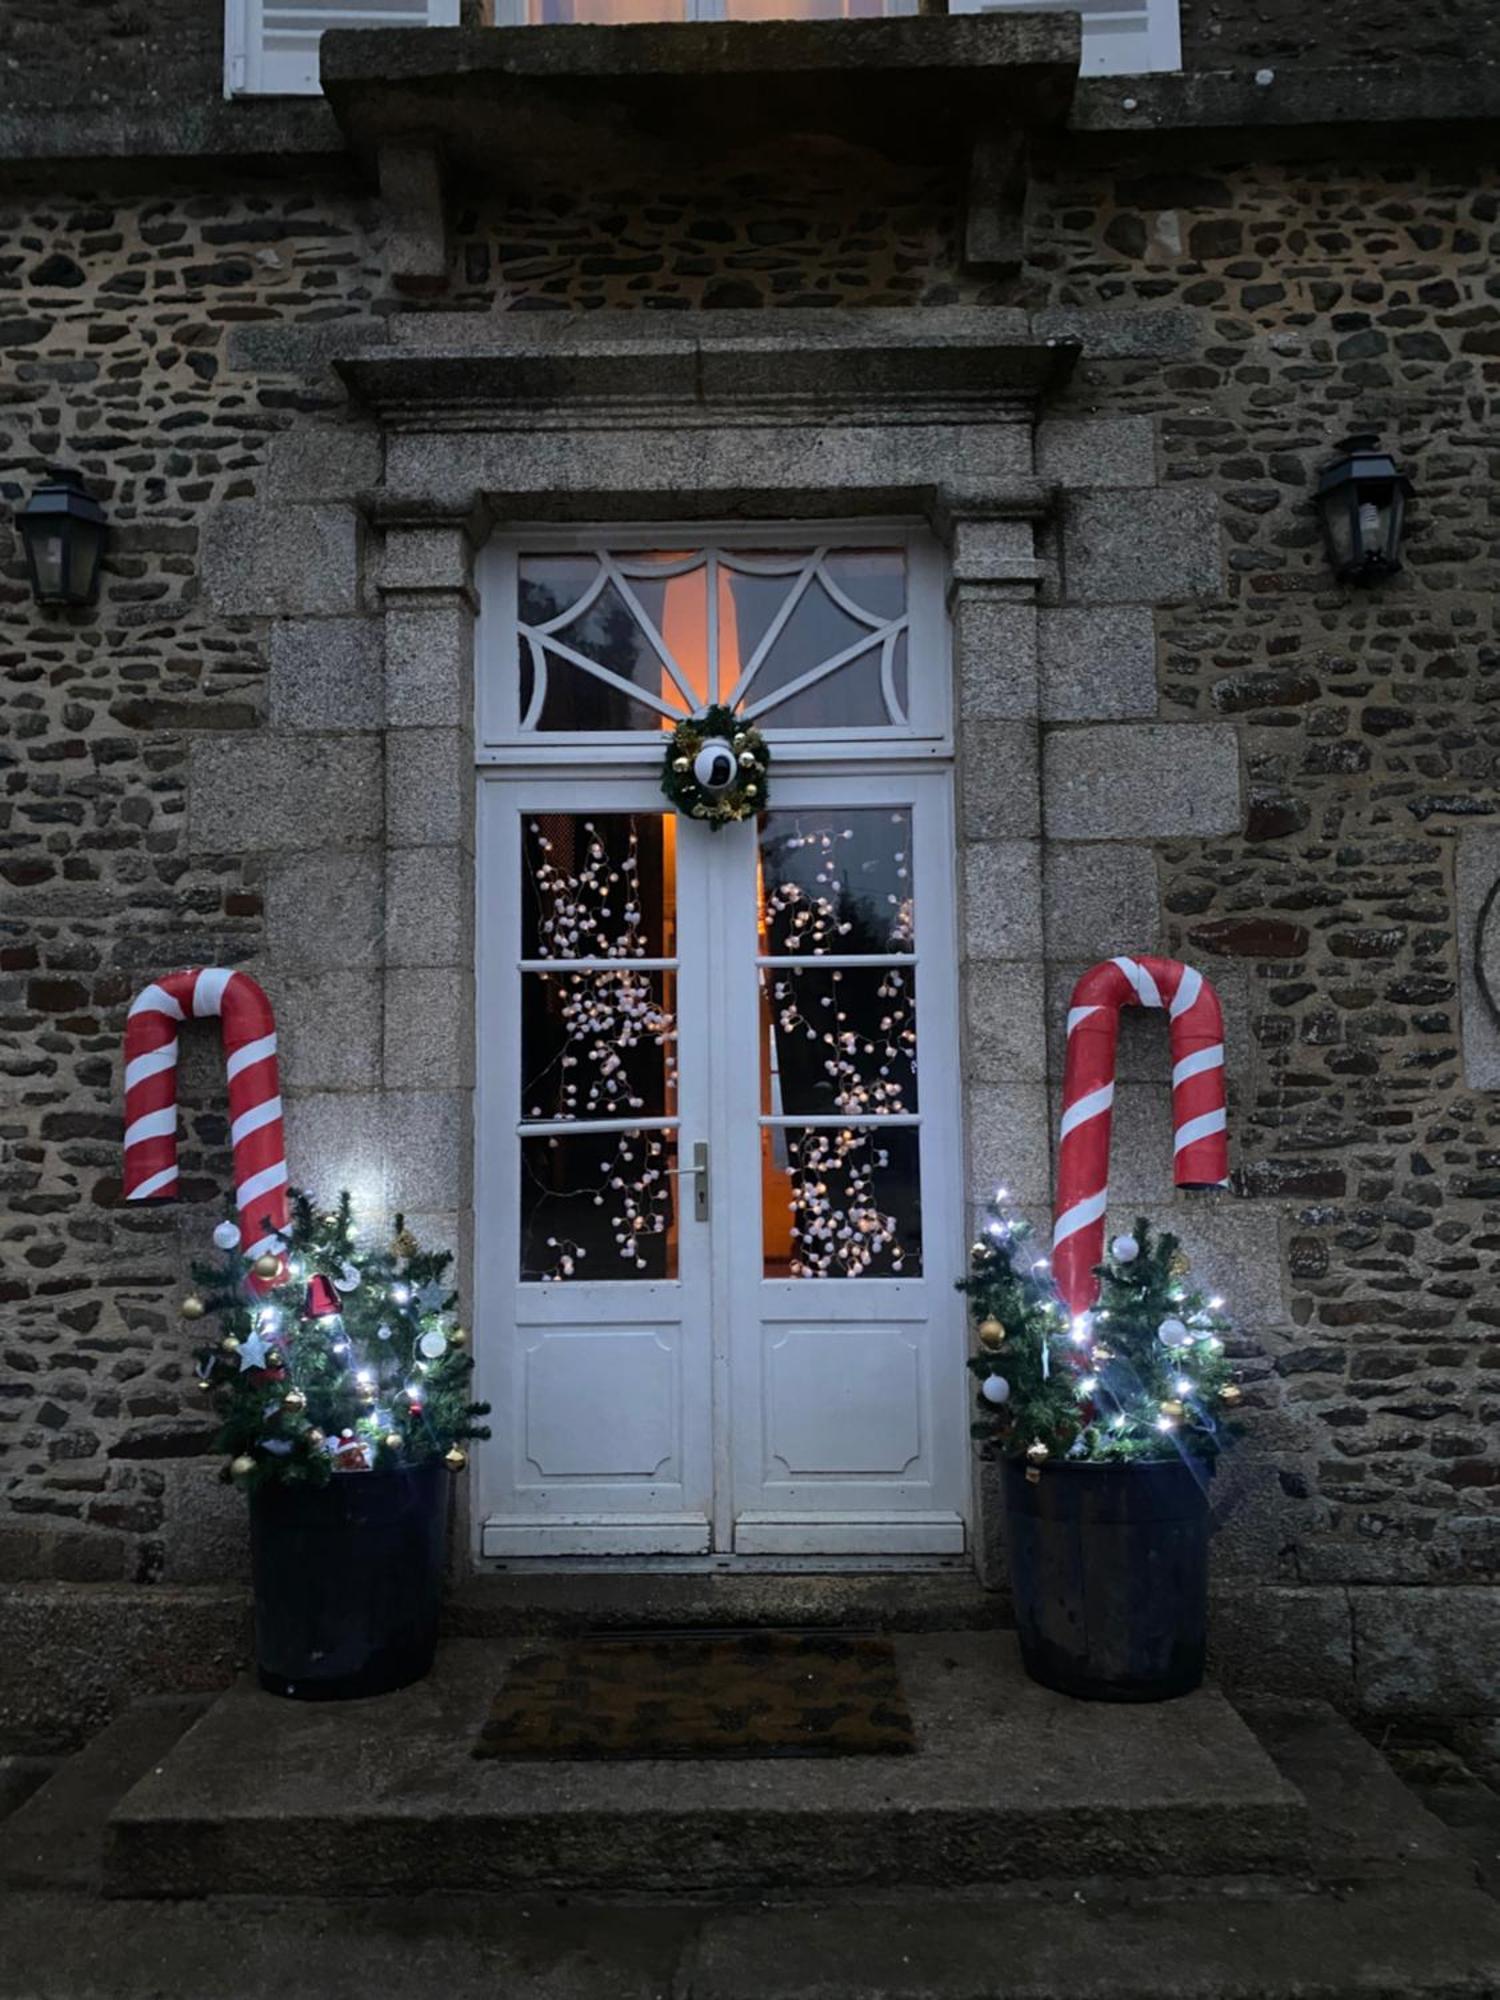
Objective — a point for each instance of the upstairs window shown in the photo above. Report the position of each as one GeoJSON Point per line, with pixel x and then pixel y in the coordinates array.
{"type": "Point", "coordinates": [271, 46]}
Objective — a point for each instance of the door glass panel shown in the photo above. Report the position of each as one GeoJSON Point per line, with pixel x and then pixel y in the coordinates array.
{"type": "Point", "coordinates": [637, 639]}
{"type": "Point", "coordinates": [839, 1038]}
{"type": "Point", "coordinates": [851, 1203]}
{"type": "Point", "coordinates": [598, 1206]}
{"type": "Point", "coordinates": [836, 882]}
{"type": "Point", "coordinates": [598, 885]}
{"type": "Point", "coordinates": [598, 1044]}
{"type": "Point", "coordinates": [838, 1201]}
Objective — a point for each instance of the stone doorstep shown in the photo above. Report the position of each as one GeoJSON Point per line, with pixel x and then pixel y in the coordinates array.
{"type": "Point", "coordinates": [1009, 1782]}
{"type": "Point", "coordinates": [526, 1602]}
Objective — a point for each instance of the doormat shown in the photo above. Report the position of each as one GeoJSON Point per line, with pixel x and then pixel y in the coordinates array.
{"type": "Point", "coordinates": [740, 1694]}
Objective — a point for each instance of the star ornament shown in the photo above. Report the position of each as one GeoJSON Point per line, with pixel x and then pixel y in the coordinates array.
{"type": "Point", "coordinates": [430, 1297]}
{"type": "Point", "coordinates": [253, 1351]}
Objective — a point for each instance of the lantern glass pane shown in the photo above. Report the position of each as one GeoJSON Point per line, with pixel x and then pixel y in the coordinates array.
{"type": "Point", "coordinates": [48, 548]}
{"type": "Point", "coordinates": [1338, 519]}
{"type": "Point", "coordinates": [88, 548]}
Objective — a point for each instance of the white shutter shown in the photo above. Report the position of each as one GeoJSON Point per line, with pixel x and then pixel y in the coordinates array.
{"type": "Point", "coordinates": [1120, 37]}
{"type": "Point", "coordinates": [271, 46]}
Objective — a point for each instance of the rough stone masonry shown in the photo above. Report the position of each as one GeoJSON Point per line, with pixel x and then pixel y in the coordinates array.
{"type": "Point", "coordinates": [1289, 784]}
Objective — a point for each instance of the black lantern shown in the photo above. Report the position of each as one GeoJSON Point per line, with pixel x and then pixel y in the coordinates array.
{"type": "Point", "coordinates": [63, 530]}
{"type": "Point", "coordinates": [1362, 499]}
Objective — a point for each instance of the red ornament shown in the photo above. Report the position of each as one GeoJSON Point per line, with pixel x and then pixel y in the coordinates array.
{"type": "Point", "coordinates": [322, 1301]}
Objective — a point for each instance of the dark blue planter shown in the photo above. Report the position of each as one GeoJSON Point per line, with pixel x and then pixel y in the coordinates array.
{"type": "Point", "coordinates": [348, 1581]}
{"type": "Point", "coordinates": [1109, 1571]}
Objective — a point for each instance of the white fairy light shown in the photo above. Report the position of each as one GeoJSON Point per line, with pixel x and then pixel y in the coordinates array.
{"type": "Point", "coordinates": [1183, 1386]}
{"type": "Point", "coordinates": [1165, 1424]}
{"type": "Point", "coordinates": [1088, 1384]}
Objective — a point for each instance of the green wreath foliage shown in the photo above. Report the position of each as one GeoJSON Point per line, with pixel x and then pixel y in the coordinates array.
{"type": "Point", "coordinates": [745, 797]}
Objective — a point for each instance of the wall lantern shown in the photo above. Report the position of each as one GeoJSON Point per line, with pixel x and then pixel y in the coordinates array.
{"type": "Point", "coordinates": [1362, 500]}
{"type": "Point", "coordinates": [63, 530]}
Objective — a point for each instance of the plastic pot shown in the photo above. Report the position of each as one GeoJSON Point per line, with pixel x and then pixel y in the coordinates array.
{"type": "Point", "coordinates": [348, 1581]}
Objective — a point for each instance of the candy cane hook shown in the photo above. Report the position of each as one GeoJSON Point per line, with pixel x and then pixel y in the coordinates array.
{"type": "Point", "coordinates": [248, 1028]}
{"type": "Point", "coordinates": [1201, 1149]}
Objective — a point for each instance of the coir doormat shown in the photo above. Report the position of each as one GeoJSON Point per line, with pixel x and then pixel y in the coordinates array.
{"type": "Point", "coordinates": [743, 1694]}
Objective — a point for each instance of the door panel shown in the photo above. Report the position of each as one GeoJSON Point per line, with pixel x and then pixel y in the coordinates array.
{"type": "Point", "coordinates": [597, 1352]}
{"type": "Point", "coordinates": [846, 1338]}
{"type": "Point", "coordinates": [721, 1216]}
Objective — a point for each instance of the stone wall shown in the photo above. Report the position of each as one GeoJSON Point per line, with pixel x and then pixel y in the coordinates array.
{"type": "Point", "coordinates": [1308, 297]}
{"type": "Point", "coordinates": [116, 317]}
{"type": "Point", "coordinates": [172, 345]}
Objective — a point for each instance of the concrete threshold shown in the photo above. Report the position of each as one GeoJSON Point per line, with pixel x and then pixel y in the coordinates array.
{"type": "Point", "coordinates": [1008, 1782]}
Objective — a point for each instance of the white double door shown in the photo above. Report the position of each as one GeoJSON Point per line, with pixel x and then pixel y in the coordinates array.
{"type": "Point", "coordinates": [719, 1221]}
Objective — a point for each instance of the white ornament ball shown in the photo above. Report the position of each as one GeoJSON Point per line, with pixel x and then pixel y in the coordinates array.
{"type": "Point", "coordinates": [348, 1279]}
{"type": "Point", "coordinates": [1172, 1333]}
{"type": "Point", "coordinates": [1125, 1249]}
{"type": "Point", "coordinates": [227, 1236]}
{"type": "Point", "coordinates": [715, 766]}
{"type": "Point", "coordinates": [432, 1346]}
{"type": "Point", "coordinates": [995, 1389]}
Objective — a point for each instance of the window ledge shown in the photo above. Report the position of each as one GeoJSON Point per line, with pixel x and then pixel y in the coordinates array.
{"type": "Point", "coordinates": [506, 102]}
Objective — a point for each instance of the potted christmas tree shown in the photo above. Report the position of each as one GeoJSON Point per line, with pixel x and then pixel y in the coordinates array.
{"type": "Point", "coordinates": [1108, 1425]}
{"type": "Point", "coordinates": [341, 1379]}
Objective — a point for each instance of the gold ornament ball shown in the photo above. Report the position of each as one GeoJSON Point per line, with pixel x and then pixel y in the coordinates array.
{"type": "Point", "coordinates": [679, 763]}
{"type": "Point", "coordinates": [192, 1307]}
{"type": "Point", "coordinates": [458, 1336]}
{"type": "Point", "coordinates": [1229, 1393]}
{"type": "Point", "coordinates": [229, 1345]}
{"type": "Point", "coordinates": [241, 1467]}
{"type": "Point", "coordinates": [267, 1266]}
{"type": "Point", "coordinates": [1172, 1408]}
{"type": "Point", "coordinates": [294, 1400]}
{"type": "Point", "coordinates": [1181, 1264]}
{"type": "Point", "coordinates": [316, 1439]}
{"type": "Point", "coordinates": [1037, 1451]}
{"type": "Point", "coordinates": [393, 1440]}
{"type": "Point", "coordinates": [205, 1383]}
{"type": "Point", "coordinates": [991, 1332]}
{"type": "Point", "coordinates": [454, 1459]}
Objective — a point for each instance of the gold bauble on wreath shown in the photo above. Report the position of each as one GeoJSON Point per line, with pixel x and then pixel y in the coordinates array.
{"type": "Point", "coordinates": [991, 1332]}
{"type": "Point", "coordinates": [192, 1307]}
{"type": "Point", "coordinates": [393, 1440]}
{"type": "Point", "coordinates": [241, 1467]}
{"type": "Point", "coordinates": [293, 1401]}
{"type": "Point", "coordinates": [458, 1336]}
{"type": "Point", "coordinates": [455, 1459]}
{"type": "Point", "coordinates": [1229, 1393]}
{"type": "Point", "coordinates": [229, 1345]}
{"type": "Point", "coordinates": [268, 1266]}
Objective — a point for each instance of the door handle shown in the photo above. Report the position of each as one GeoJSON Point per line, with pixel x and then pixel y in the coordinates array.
{"type": "Point", "coordinates": [699, 1172]}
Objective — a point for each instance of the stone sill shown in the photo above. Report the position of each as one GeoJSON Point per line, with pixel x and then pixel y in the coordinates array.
{"type": "Point", "coordinates": [508, 101]}
{"type": "Point", "coordinates": [280, 129]}
{"type": "Point", "coordinates": [1295, 108]}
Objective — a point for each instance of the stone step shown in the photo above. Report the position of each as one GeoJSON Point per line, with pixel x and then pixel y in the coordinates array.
{"type": "Point", "coordinates": [1008, 1782]}
{"type": "Point", "coordinates": [54, 1838]}
{"type": "Point", "coordinates": [1048, 1941]}
{"type": "Point", "coordinates": [522, 1603]}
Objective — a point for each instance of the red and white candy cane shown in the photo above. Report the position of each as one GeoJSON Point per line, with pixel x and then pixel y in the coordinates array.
{"type": "Point", "coordinates": [248, 1028]}
{"type": "Point", "coordinates": [1201, 1149]}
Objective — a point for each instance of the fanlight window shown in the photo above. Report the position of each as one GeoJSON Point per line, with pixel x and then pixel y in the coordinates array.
{"type": "Point", "coordinates": [795, 640]}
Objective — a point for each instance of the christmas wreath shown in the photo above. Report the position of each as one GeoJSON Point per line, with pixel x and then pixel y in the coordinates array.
{"type": "Point", "coordinates": [714, 768]}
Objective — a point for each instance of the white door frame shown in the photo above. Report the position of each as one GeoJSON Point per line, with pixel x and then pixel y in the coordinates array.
{"type": "Point", "coordinates": [894, 767]}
